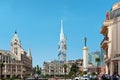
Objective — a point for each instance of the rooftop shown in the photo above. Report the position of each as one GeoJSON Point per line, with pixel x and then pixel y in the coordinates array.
{"type": "Point", "coordinates": [116, 6]}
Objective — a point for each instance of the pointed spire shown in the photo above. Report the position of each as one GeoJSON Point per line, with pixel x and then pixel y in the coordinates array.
{"type": "Point", "coordinates": [62, 37]}
{"type": "Point", "coordinates": [16, 38]}
{"type": "Point", "coordinates": [61, 26]}
{"type": "Point", "coordinates": [29, 52]}
{"type": "Point", "coordinates": [15, 32]}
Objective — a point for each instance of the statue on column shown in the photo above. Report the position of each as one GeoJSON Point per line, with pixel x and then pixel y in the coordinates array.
{"type": "Point", "coordinates": [85, 41]}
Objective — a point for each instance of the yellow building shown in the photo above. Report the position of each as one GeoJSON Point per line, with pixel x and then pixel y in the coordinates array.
{"type": "Point", "coordinates": [16, 62]}
{"type": "Point", "coordinates": [111, 41]}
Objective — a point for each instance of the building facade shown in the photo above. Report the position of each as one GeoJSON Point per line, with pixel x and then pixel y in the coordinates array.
{"type": "Point", "coordinates": [56, 68]}
{"type": "Point", "coordinates": [16, 62]}
{"type": "Point", "coordinates": [111, 41]}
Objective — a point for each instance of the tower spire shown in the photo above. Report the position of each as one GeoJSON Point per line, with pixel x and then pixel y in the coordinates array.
{"type": "Point", "coordinates": [62, 45]}
{"type": "Point", "coordinates": [62, 37]}
{"type": "Point", "coordinates": [61, 26]}
{"type": "Point", "coordinates": [29, 52]}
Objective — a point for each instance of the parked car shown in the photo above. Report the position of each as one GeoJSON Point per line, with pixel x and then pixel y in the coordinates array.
{"type": "Point", "coordinates": [76, 78]}
{"type": "Point", "coordinates": [85, 77]}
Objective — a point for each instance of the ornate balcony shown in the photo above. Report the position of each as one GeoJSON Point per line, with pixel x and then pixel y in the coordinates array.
{"type": "Point", "coordinates": [105, 25]}
{"type": "Point", "coordinates": [104, 42]}
{"type": "Point", "coordinates": [105, 57]}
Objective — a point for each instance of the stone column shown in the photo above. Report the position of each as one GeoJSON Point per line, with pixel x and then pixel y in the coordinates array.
{"type": "Point", "coordinates": [85, 58]}
{"type": "Point", "coordinates": [106, 68]}
{"type": "Point", "coordinates": [119, 67]}
{"type": "Point", "coordinates": [16, 70]}
{"type": "Point", "coordinates": [5, 70]}
{"type": "Point", "coordinates": [11, 71]}
{"type": "Point", "coordinates": [21, 72]}
{"type": "Point", "coordinates": [111, 67]}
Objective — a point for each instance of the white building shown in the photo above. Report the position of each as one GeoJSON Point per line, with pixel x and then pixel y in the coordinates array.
{"type": "Point", "coordinates": [111, 41]}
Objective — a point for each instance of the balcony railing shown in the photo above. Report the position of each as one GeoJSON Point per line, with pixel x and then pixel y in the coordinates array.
{"type": "Point", "coordinates": [105, 25]}
{"type": "Point", "coordinates": [115, 55]}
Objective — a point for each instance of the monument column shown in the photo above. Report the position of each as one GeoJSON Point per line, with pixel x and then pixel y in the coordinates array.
{"type": "Point", "coordinates": [85, 56]}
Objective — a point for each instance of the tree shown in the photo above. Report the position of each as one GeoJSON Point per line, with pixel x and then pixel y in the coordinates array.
{"type": "Point", "coordinates": [73, 70]}
{"type": "Point", "coordinates": [97, 60]}
{"type": "Point", "coordinates": [65, 69]}
{"type": "Point", "coordinates": [37, 70]}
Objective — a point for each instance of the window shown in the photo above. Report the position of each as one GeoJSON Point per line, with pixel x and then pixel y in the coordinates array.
{"type": "Point", "coordinates": [15, 51]}
{"type": "Point", "coordinates": [15, 43]}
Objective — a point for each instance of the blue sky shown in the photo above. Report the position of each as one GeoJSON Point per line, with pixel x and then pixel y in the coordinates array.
{"type": "Point", "coordinates": [37, 23]}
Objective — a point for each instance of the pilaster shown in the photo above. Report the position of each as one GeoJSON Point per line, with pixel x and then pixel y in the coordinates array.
{"type": "Point", "coordinates": [111, 67]}
{"type": "Point", "coordinates": [16, 70]}
{"type": "Point", "coordinates": [21, 72]}
{"type": "Point", "coordinates": [106, 68]}
{"type": "Point", "coordinates": [119, 67]}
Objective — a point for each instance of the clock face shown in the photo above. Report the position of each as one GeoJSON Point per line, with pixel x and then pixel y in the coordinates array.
{"type": "Point", "coordinates": [15, 43]}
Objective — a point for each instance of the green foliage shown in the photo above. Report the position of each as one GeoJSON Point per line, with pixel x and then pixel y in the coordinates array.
{"type": "Point", "coordinates": [85, 72]}
{"type": "Point", "coordinates": [97, 59]}
{"type": "Point", "coordinates": [1, 64]}
{"type": "Point", "coordinates": [37, 70]}
{"type": "Point", "coordinates": [65, 68]}
{"type": "Point", "coordinates": [47, 76]}
{"type": "Point", "coordinates": [81, 73]}
{"type": "Point", "coordinates": [14, 77]}
{"type": "Point", "coordinates": [73, 71]}
{"type": "Point", "coordinates": [93, 73]}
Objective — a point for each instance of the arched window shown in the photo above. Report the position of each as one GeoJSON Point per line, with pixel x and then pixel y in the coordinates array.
{"type": "Point", "coordinates": [15, 50]}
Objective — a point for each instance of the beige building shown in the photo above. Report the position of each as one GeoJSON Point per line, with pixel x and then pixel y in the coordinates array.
{"type": "Point", "coordinates": [111, 41]}
{"type": "Point", "coordinates": [53, 68]}
{"type": "Point", "coordinates": [16, 62]}
{"type": "Point", "coordinates": [56, 68]}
